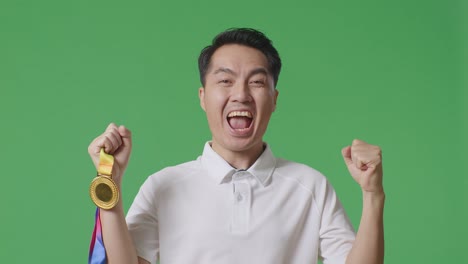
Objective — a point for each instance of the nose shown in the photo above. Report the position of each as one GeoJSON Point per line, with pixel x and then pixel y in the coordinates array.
{"type": "Point", "coordinates": [241, 93]}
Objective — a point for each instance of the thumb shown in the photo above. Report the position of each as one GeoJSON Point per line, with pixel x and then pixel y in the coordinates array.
{"type": "Point", "coordinates": [346, 152]}
{"type": "Point", "coordinates": [122, 155]}
{"type": "Point", "coordinates": [126, 135]}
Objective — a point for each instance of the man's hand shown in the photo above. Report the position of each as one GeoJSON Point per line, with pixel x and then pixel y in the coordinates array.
{"type": "Point", "coordinates": [364, 162]}
{"type": "Point", "coordinates": [116, 141]}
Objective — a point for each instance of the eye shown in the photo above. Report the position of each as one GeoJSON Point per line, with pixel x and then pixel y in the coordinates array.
{"type": "Point", "coordinates": [225, 82]}
{"type": "Point", "coordinates": [257, 83]}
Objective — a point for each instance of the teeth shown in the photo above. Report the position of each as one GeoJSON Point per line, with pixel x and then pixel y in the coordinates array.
{"type": "Point", "coordinates": [240, 113]}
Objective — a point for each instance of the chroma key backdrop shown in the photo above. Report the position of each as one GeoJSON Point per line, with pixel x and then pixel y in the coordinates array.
{"type": "Point", "coordinates": [393, 74]}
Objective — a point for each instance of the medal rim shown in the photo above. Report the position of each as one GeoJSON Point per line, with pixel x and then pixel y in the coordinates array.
{"type": "Point", "coordinates": [114, 190]}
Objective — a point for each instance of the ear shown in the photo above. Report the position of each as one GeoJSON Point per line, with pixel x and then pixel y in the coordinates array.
{"type": "Point", "coordinates": [201, 95]}
{"type": "Point", "coordinates": [275, 98]}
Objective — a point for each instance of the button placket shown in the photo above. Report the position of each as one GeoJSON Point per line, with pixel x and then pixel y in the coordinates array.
{"type": "Point", "coordinates": [241, 202]}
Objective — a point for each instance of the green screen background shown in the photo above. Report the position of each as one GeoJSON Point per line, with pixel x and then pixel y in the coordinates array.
{"type": "Point", "coordinates": [393, 74]}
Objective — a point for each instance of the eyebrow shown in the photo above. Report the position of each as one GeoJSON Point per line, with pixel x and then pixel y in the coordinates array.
{"type": "Point", "coordinates": [224, 70]}
{"type": "Point", "coordinates": [258, 71]}
{"type": "Point", "coordinates": [253, 72]}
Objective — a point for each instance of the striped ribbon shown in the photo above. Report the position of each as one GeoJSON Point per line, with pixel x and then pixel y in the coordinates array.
{"type": "Point", "coordinates": [97, 251]}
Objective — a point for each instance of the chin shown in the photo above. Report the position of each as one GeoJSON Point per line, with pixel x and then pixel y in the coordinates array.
{"type": "Point", "coordinates": [242, 144]}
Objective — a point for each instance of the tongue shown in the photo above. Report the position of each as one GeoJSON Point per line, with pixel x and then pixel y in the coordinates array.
{"type": "Point", "coordinates": [239, 122]}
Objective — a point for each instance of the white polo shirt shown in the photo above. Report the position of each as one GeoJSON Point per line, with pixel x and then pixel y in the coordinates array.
{"type": "Point", "coordinates": [205, 211]}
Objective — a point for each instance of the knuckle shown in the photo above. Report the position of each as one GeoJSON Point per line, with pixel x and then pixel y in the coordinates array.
{"type": "Point", "coordinates": [379, 152]}
{"type": "Point", "coordinates": [108, 136]}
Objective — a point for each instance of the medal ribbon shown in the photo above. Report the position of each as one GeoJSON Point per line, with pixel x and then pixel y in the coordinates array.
{"type": "Point", "coordinates": [106, 162]}
{"type": "Point", "coordinates": [97, 251]}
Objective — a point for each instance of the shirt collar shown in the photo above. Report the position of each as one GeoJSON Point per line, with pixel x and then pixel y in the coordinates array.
{"type": "Point", "coordinates": [221, 171]}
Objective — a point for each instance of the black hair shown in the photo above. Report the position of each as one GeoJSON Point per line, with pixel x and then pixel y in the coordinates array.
{"type": "Point", "coordinates": [243, 36]}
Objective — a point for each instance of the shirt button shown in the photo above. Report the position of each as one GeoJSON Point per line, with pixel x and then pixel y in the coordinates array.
{"type": "Point", "coordinates": [239, 197]}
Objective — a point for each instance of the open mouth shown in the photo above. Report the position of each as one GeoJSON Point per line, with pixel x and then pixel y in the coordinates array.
{"type": "Point", "coordinates": [240, 120]}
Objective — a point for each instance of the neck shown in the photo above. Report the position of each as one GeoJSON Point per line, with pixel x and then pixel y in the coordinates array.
{"type": "Point", "coordinates": [241, 159]}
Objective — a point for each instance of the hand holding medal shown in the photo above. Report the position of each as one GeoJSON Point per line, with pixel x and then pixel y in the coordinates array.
{"type": "Point", "coordinates": [103, 190]}
{"type": "Point", "coordinates": [110, 153]}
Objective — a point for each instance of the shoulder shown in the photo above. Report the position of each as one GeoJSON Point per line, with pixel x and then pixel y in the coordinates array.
{"type": "Point", "coordinates": [306, 176]}
{"type": "Point", "coordinates": [310, 181]}
{"type": "Point", "coordinates": [173, 175]}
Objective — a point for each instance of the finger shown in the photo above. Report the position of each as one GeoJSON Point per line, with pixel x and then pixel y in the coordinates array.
{"type": "Point", "coordinates": [107, 144]}
{"type": "Point", "coordinates": [112, 134]}
{"type": "Point", "coordinates": [118, 138]}
{"type": "Point", "coordinates": [358, 142]}
{"type": "Point", "coordinates": [94, 148]}
{"type": "Point", "coordinates": [115, 141]}
{"type": "Point", "coordinates": [126, 136]}
{"type": "Point", "coordinates": [112, 139]}
{"type": "Point", "coordinates": [100, 142]}
{"type": "Point", "coordinates": [346, 153]}
{"type": "Point", "coordinates": [357, 158]}
{"type": "Point", "coordinates": [111, 127]}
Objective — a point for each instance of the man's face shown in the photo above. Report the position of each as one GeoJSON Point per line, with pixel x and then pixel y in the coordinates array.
{"type": "Point", "coordinates": [239, 97]}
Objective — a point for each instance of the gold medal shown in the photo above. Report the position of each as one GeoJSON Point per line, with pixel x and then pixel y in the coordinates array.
{"type": "Point", "coordinates": [103, 190]}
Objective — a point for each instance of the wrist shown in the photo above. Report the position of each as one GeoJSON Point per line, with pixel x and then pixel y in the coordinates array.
{"type": "Point", "coordinates": [117, 174]}
{"type": "Point", "coordinates": [375, 200]}
{"type": "Point", "coordinates": [379, 194]}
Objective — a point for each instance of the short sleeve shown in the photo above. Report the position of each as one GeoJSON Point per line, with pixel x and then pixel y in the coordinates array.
{"type": "Point", "coordinates": [336, 231]}
{"type": "Point", "coordinates": [142, 222]}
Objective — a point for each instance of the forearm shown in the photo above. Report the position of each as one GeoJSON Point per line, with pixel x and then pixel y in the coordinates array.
{"type": "Point", "coordinates": [368, 248]}
{"type": "Point", "coordinates": [117, 240]}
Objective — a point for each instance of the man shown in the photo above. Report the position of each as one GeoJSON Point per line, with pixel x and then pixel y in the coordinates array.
{"type": "Point", "coordinates": [237, 203]}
